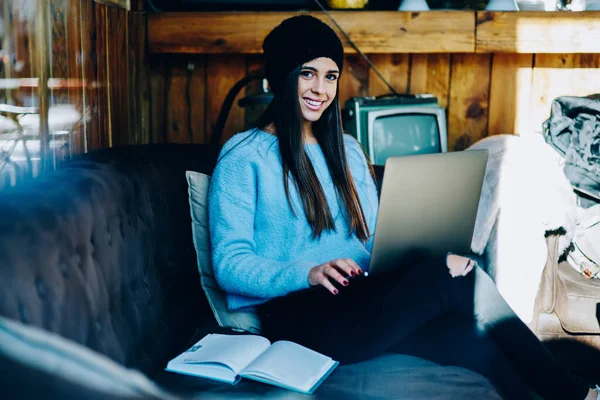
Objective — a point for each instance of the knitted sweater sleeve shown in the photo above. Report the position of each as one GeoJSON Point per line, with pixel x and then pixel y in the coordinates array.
{"type": "Point", "coordinates": [237, 266]}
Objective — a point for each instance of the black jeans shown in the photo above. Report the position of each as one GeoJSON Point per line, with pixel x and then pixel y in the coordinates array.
{"type": "Point", "coordinates": [421, 310]}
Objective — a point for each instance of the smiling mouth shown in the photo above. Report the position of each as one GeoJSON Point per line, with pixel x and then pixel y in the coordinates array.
{"type": "Point", "coordinates": [314, 105]}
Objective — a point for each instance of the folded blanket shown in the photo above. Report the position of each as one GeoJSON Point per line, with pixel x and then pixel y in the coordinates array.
{"type": "Point", "coordinates": [525, 195]}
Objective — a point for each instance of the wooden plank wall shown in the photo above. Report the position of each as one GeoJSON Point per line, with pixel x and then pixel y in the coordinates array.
{"type": "Point", "coordinates": [485, 94]}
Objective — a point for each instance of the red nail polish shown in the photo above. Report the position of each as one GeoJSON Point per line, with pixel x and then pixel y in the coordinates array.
{"type": "Point", "coordinates": [345, 283]}
{"type": "Point", "coordinates": [335, 291]}
{"type": "Point", "coordinates": [352, 273]}
{"type": "Point", "coordinates": [360, 271]}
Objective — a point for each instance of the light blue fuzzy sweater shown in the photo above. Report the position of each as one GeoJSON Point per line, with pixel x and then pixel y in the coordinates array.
{"type": "Point", "coordinates": [260, 250]}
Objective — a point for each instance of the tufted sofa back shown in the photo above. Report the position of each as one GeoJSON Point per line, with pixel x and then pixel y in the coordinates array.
{"type": "Point", "coordinates": [101, 252]}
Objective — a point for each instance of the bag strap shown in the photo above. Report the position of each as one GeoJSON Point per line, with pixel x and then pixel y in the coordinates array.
{"type": "Point", "coordinates": [547, 292]}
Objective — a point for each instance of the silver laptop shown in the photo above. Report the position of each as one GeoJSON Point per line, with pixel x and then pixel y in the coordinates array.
{"type": "Point", "coordinates": [428, 206]}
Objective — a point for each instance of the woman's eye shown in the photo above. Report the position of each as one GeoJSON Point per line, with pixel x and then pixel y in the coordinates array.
{"type": "Point", "coordinates": [307, 74]}
{"type": "Point", "coordinates": [331, 77]}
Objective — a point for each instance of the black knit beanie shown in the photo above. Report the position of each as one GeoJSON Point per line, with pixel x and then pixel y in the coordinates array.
{"type": "Point", "coordinates": [295, 41]}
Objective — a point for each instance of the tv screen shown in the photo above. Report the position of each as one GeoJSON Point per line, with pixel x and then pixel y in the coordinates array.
{"type": "Point", "coordinates": [405, 134]}
{"type": "Point", "coordinates": [396, 126]}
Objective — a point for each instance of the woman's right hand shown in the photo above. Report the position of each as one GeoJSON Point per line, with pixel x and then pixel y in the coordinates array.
{"type": "Point", "coordinates": [337, 270]}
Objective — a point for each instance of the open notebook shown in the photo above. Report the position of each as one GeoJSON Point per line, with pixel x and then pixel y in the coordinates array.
{"type": "Point", "coordinates": [228, 358]}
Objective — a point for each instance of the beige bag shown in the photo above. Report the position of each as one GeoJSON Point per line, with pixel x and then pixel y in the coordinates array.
{"type": "Point", "coordinates": [567, 303]}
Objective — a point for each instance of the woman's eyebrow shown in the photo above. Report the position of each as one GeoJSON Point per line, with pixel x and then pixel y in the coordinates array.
{"type": "Point", "coordinates": [331, 71]}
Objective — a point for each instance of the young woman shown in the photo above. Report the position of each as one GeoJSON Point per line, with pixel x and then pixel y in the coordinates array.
{"type": "Point", "coordinates": [292, 211]}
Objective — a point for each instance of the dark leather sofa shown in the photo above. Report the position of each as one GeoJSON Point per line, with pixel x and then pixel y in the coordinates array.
{"type": "Point", "coordinates": [100, 252]}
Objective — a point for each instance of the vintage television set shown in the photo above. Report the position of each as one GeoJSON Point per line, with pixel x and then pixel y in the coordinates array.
{"type": "Point", "coordinates": [396, 126]}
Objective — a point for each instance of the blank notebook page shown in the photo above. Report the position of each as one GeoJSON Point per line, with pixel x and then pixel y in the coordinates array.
{"type": "Point", "coordinates": [291, 364]}
{"type": "Point", "coordinates": [234, 351]}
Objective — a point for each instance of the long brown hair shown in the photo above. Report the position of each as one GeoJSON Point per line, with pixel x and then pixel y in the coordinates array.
{"type": "Point", "coordinates": [285, 113]}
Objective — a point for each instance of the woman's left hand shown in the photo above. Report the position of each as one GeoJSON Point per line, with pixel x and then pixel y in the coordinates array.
{"type": "Point", "coordinates": [459, 265]}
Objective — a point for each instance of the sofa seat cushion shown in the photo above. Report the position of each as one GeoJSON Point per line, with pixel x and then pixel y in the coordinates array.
{"type": "Point", "coordinates": [390, 376]}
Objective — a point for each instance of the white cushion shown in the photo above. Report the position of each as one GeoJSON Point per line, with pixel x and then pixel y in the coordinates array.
{"type": "Point", "coordinates": [7, 125]}
{"type": "Point", "coordinates": [246, 321]}
{"type": "Point", "coordinates": [60, 117]}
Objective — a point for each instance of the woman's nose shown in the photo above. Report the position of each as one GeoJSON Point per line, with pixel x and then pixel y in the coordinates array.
{"type": "Point", "coordinates": [319, 86]}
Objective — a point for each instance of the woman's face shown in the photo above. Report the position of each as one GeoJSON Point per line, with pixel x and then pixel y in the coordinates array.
{"type": "Point", "coordinates": [317, 87]}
